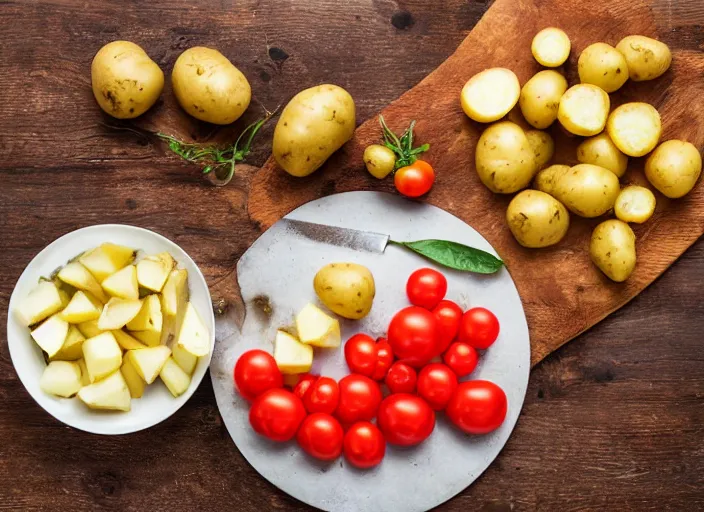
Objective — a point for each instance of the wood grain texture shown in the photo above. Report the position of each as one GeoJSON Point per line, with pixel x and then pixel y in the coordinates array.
{"type": "Point", "coordinates": [613, 421]}
{"type": "Point", "coordinates": [562, 292]}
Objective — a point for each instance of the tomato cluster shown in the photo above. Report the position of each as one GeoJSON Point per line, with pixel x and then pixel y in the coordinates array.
{"type": "Point", "coordinates": [330, 418]}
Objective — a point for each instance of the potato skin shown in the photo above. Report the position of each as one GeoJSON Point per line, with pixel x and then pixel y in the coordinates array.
{"type": "Point", "coordinates": [543, 147]}
{"type": "Point", "coordinates": [379, 160]}
{"type": "Point", "coordinates": [346, 289]}
{"type": "Point", "coordinates": [634, 204]}
{"type": "Point", "coordinates": [635, 128]}
{"type": "Point", "coordinates": [504, 159]}
{"type": "Point", "coordinates": [551, 47]}
{"type": "Point", "coordinates": [490, 95]}
{"type": "Point", "coordinates": [602, 65]}
{"type": "Point", "coordinates": [600, 150]}
{"type": "Point", "coordinates": [674, 168]}
{"type": "Point", "coordinates": [537, 219]}
{"type": "Point", "coordinates": [613, 249]}
{"type": "Point", "coordinates": [547, 178]}
{"type": "Point", "coordinates": [540, 98]}
{"type": "Point", "coordinates": [313, 125]}
{"type": "Point", "coordinates": [125, 81]}
{"type": "Point", "coordinates": [586, 190]}
{"type": "Point", "coordinates": [583, 109]}
{"type": "Point", "coordinates": [209, 87]}
{"type": "Point", "coordinates": [646, 58]}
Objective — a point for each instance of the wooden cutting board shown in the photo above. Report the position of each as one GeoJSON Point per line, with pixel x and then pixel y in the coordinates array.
{"type": "Point", "coordinates": [562, 292]}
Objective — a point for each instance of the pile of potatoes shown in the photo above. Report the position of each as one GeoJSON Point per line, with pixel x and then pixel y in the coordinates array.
{"type": "Point", "coordinates": [510, 159]}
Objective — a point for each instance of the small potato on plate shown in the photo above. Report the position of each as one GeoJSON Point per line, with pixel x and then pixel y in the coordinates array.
{"type": "Point", "coordinates": [490, 95]}
{"type": "Point", "coordinates": [674, 168]}
{"type": "Point", "coordinates": [635, 128]}
{"type": "Point", "coordinates": [583, 109]}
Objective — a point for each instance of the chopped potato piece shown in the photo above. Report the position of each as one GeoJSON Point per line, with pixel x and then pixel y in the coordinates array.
{"type": "Point", "coordinates": [110, 393]}
{"type": "Point", "coordinates": [118, 312]}
{"type": "Point", "coordinates": [126, 341]}
{"type": "Point", "coordinates": [153, 271]}
{"type": "Point", "coordinates": [193, 335]}
{"type": "Point", "coordinates": [79, 277]}
{"type": "Point", "coordinates": [174, 377]}
{"type": "Point", "coordinates": [61, 378]}
{"type": "Point", "coordinates": [85, 379]}
{"type": "Point", "coordinates": [90, 328]}
{"type": "Point", "coordinates": [316, 328]}
{"type": "Point", "coordinates": [149, 361]}
{"type": "Point", "coordinates": [51, 334]}
{"type": "Point", "coordinates": [291, 355]}
{"type": "Point", "coordinates": [82, 308]}
{"type": "Point", "coordinates": [174, 297]}
{"type": "Point", "coordinates": [106, 260]}
{"type": "Point", "coordinates": [149, 317]}
{"type": "Point", "coordinates": [184, 359]}
{"type": "Point", "coordinates": [123, 283]}
{"type": "Point", "coordinates": [42, 302]}
{"type": "Point", "coordinates": [102, 355]}
{"type": "Point", "coordinates": [149, 338]}
{"type": "Point", "coordinates": [71, 350]}
{"type": "Point", "coordinates": [135, 383]}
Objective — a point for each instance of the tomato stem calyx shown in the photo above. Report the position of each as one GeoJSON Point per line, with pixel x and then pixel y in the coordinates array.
{"type": "Point", "coordinates": [402, 146]}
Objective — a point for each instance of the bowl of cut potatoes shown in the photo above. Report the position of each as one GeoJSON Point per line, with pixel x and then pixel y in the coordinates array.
{"type": "Point", "coordinates": [111, 328]}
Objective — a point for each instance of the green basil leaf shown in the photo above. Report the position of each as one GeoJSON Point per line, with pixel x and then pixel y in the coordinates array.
{"type": "Point", "coordinates": [455, 255]}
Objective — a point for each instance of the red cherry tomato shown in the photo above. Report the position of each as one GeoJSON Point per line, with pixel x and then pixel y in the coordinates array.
{"type": "Point", "coordinates": [426, 288]}
{"type": "Point", "coordinates": [413, 335]}
{"type": "Point", "coordinates": [304, 383]}
{"type": "Point", "coordinates": [360, 397]}
{"type": "Point", "coordinates": [405, 420]}
{"type": "Point", "coordinates": [401, 378]}
{"type": "Point", "coordinates": [448, 315]}
{"type": "Point", "coordinates": [479, 328]}
{"type": "Point", "coordinates": [436, 384]}
{"type": "Point", "coordinates": [277, 414]}
{"type": "Point", "coordinates": [321, 436]}
{"type": "Point", "coordinates": [384, 359]}
{"type": "Point", "coordinates": [364, 445]}
{"type": "Point", "coordinates": [360, 354]}
{"type": "Point", "coordinates": [255, 372]}
{"type": "Point", "coordinates": [415, 180]}
{"type": "Point", "coordinates": [477, 407]}
{"type": "Point", "coordinates": [461, 358]}
{"type": "Point", "coordinates": [323, 395]}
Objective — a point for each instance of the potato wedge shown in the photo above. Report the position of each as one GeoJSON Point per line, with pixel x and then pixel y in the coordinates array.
{"type": "Point", "coordinates": [176, 380]}
{"type": "Point", "coordinates": [82, 308]}
{"type": "Point", "coordinates": [80, 277]}
{"type": "Point", "coordinates": [193, 336]}
{"type": "Point", "coordinates": [61, 378]}
{"type": "Point", "coordinates": [102, 356]}
{"type": "Point", "coordinates": [105, 260]}
{"type": "Point", "coordinates": [126, 341]}
{"type": "Point", "coordinates": [134, 382]}
{"type": "Point", "coordinates": [118, 312]}
{"type": "Point", "coordinates": [42, 302]}
{"type": "Point", "coordinates": [72, 349]}
{"type": "Point", "coordinates": [291, 355]}
{"type": "Point", "coordinates": [153, 271]}
{"type": "Point", "coordinates": [110, 393]}
{"type": "Point", "coordinates": [149, 317]}
{"type": "Point", "coordinates": [51, 334]}
{"type": "Point", "coordinates": [123, 283]}
{"type": "Point", "coordinates": [149, 361]}
{"type": "Point", "coordinates": [184, 359]}
{"type": "Point", "coordinates": [316, 328]}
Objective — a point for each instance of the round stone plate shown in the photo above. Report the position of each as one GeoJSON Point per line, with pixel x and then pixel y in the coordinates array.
{"type": "Point", "coordinates": [279, 268]}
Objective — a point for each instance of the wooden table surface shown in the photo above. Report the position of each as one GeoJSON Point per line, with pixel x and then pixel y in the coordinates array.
{"type": "Point", "coordinates": [612, 421]}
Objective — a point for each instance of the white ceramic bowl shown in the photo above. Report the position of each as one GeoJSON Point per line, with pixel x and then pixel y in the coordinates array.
{"type": "Point", "coordinates": [157, 404]}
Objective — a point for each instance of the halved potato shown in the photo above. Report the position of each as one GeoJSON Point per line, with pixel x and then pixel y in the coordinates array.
{"type": "Point", "coordinates": [291, 355]}
{"type": "Point", "coordinates": [149, 361]}
{"type": "Point", "coordinates": [551, 47]}
{"type": "Point", "coordinates": [635, 128]}
{"type": "Point", "coordinates": [51, 334]}
{"type": "Point", "coordinates": [316, 328]}
{"type": "Point", "coordinates": [80, 277]}
{"type": "Point", "coordinates": [61, 378]}
{"type": "Point", "coordinates": [583, 109]}
{"type": "Point", "coordinates": [42, 302]}
{"type": "Point", "coordinates": [71, 350]}
{"type": "Point", "coordinates": [153, 271]}
{"type": "Point", "coordinates": [106, 259]}
{"type": "Point", "coordinates": [176, 380]}
{"type": "Point", "coordinates": [634, 204]}
{"type": "Point", "coordinates": [82, 308]}
{"type": "Point", "coordinates": [102, 355]}
{"type": "Point", "coordinates": [488, 96]}
{"type": "Point", "coordinates": [123, 283]}
{"type": "Point", "coordinates": [118, 312]}
{"type": "Point", "coordinates": [110, 393]}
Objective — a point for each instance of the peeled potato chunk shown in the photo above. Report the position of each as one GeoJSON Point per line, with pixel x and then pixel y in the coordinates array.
{"type": "Point", "coordinates": [118, 312]}
{"type": "Point", "coordinates": [82, 308]}
{"type": "Point", "coordinates": [134, 382]}
{"type": "Point", "coordinates": [51, 334]}
{"type": "Point", "coordinates": [71, 350]}
{"type": "Point", "coordinates": [193, 336]}
{"type": "Point", "coordinates": [102, 355]}
{"type": "Point", "coordinates": [106, 259]}
{"type": "Point", "coordinates": [149, 361]}
{"type": "Point", "coordinates": [110, 393]}
{"type": "Point", "coordinates": [291, 355]}
{"type": "Point", "coordinates": [153, 271]}
{"type": "Point", "coordinates": [42, 302]}
{"type": "Point", "coordinates": [174, 377]}
{"type": "Point", "coordinates": [316, 328]}
{"type": "Point", "coordinates": [80, 277]}
{"type": "Point", "coordinates": [123, 283]}
{"type": "Point", "coordinates": [184, 359]}
{"type": "Point", "coordinates": [61, 378]}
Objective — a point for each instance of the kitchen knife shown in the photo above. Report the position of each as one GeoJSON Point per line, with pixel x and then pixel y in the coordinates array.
{"type": "Point", "coordinates": [367, 241]}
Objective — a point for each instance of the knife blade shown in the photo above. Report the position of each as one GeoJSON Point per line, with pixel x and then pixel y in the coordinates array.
{"type": "Point", "coordinates": [356, 239]}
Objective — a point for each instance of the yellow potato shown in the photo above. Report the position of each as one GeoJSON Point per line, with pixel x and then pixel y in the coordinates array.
{"type": "Point", "coordinates": [126, 82]}
{"type": "Point", "coordinates": [635, 128]}
{"type": "Point", "coordinates": [346, 289]}
{"type": "Point", "coordinates": [542, 145]}
{"type": "Point", "coordinates": [613, 249]}
{"type": "Point", "coordinates": [314, 124]}
{"type": "Point", "coordinates": [602, 65]}
{"type": "Point", "coordinates": [674, 168]}
{"type": "Point", "coordinates": [379, 160]}
{"type": "Point", "coordinates": [540, 98]}
{"type": "Point", "coordinates": [646, 58]}
{"type": "Point", "coordinates": [537, 219]}
{"type": "Point", "coordinates": [583, 109]}
{"type": "Point", "coordinates": [634, 204]}
{"type": "Point", "coordinates": [600, 150]}
{"type": "Point", "coordinates": [585, 189]}
{"type": "Point", "coordinates": [551, 47]}
{"type": "Point", "coordinates": [209, 87]}
{"type": "Point", "coordinates": [504, 159]}
{"type": "Point", "coordinates": [490, 95]}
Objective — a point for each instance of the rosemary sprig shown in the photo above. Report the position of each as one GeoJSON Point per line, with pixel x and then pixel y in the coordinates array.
{"type": "Point", "coordinates": [402, 146]}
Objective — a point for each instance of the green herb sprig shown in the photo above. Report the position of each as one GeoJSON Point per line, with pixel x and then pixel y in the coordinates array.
{"type": "Point", "coordinates": [402, 146]}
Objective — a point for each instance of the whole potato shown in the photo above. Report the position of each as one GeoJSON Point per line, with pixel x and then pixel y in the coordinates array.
{"type": "Point", "coordinates": [488, 96]}
{"type": "Point", "coordinates": [547, 179]}
{"type": "Point", "coordinates": [126, 82]}
{"type": "Point", "coordinates": [646, 58]}
{"type": "Point", "coordinates": [209, 87]}
{"type": "Point", "coordinates": [585, 189]}
{"type": "Point", "coordinates": [583, 109]}
{"type": "Point", "coordinates": [674, 168]}
{"type": "Point", "coordinates": [613, 249]}
{"type": "Point", "coordinates": [551, 47]}
{"type": "Point", "coordinates": [379, 160]}
{"type": "Point", "coordinates": [504, 159]}
{"type": "Point", "coordinates": [600, 150]}
{"type": "Point", "coordinates": [313, 125]}
{"type": "Point", "coordinates": [634, 204]}
{"type": "Point", "coordinates": [635, 128]}
{"type": "Point", "coordinates": [346, 289]}
{"type": "Point", "coordinates": [540, 98]}
{"type": "Point", "coordinates": [543, 146]}
{"type": "Point", "coordinates": [537, 219]}
{"type": "Point", "coordinates": [602, 65]}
